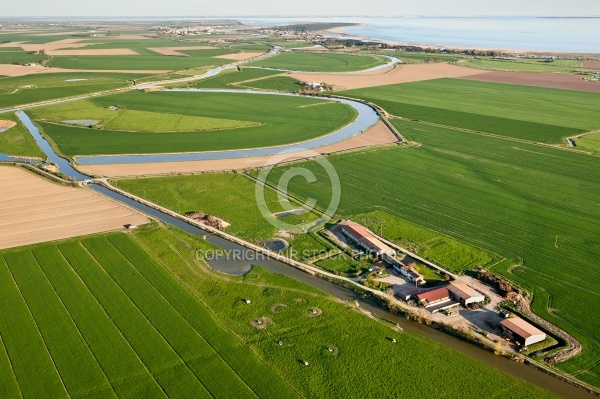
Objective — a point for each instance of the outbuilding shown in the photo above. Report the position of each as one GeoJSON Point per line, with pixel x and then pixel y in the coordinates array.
{"type": "Point", "coordinates": [465, 294]}
{"type": "Point", "coordinates": [522, 332]}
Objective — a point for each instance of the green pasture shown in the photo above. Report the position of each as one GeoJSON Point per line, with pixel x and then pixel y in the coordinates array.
{"type": "Point", "coordinates": [287, 303]}
{"type": "Point", "coordinates": [445, 251]}
{"type": "Point", "coordinates": [526, 65]}
{"type": "Point", "coordinates": [133, 120]}
{"type": "Point", "coordinates": [327, 62]}
{"type": "Point", "coordinates": [535, 205]}
{"type": "Point", "coordinates": [43, 87]}
{"type": "Point", "coordinates": [213, 194]}
{"type": "Point", "coordinates": [17, 140]}
{"type": "Point", "coordinates": [525, 112]}
{"type": "Point", "coordinates": [275, 83]}
{"type": "Point", "coordinates": [589, 142]}
{"type": "Point", "coordinates": [233, 77]}
{"type": "Point", "coordinates": [273, 115]}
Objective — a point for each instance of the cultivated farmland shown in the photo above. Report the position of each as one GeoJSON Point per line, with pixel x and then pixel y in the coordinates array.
{"type": "Point", "coordinates": [524, 112]}
{"type": "Point", "coordinates": [533, 204]}
{"type": "Point", "coordinates": [101, 318]}
{"type": "Point", "coordinates": [328, 62]}
{"type": "Point", "coordinates": [37, 88]}
{"type": "Point", "coordinates": [273, 114]}
{"type": "Point", "coordinates": [33, 209]}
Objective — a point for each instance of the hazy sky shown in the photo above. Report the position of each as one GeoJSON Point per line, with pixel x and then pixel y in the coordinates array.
{"type": "Point", "coordinates": [301, 8]}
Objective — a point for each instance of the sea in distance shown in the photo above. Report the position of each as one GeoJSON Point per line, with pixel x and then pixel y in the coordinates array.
{"type": "Point", "coordinates": [574, 35]}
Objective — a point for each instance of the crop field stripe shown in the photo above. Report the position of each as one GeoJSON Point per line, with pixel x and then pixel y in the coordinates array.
{"type": "Point", "coordinates": [79, 333]}
{"type": "Point", "coordinates": [120, 353]}
{"type": "Point", "coordinates": [119, 362]}
{"type": "Point", "coordinates": [9, 386]}
{"type": "Point", "coordinates": [186, 304]}
{"type": "Point", "coordinates": [56, 327]}
{"type": "Point", "coordinates": [139, 255]}
{"type": "Point", "coordinates": [28, 369]}
{"type": "Point", "coordinates": [121, 270]}
{"type": "Point", "coordinates": [173, 377]}
{"type": "Point", "coordinates": [104, 256]}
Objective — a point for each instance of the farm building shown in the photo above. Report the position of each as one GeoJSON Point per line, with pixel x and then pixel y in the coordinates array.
{"type": "Point", "coordinates": [465, 294]}
{"type": "Point", "coordinates": [522, 332]}
{"type": "Point", "coordinates": [407, 271]}
{"type": "Point", "coordinates": [437, 299]}
{"type": "Point", "coordinates": [364, 239]}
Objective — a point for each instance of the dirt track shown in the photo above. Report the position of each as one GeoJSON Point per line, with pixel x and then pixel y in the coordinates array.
{"type": "Point", "coordinates": [33, 209]}
{"type": "Point", "coordinates": [378, 134]}
{"type": "Point", "coordinates": [401, 74]}
{"type": "Point", "coordinates": [550, 80]}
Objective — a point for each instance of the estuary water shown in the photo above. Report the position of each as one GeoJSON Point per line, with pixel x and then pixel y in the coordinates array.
{"type": "Point", "coordinates": [579, 35]}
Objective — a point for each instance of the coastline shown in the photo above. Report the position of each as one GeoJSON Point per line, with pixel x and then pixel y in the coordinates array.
{"type": "Point", "coordinates": [340, 32]}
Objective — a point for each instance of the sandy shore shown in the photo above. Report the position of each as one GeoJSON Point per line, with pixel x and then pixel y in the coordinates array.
{"type": "Point", "coordinates": [33, 210]}
{"type": "Point", "coordinates": [376, 135]}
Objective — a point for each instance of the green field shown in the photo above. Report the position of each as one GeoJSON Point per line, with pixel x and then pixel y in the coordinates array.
{"type": "Point", "coordinates": [100, 317]}
{"type": "Point", "coordinates": [16, 55]}
{"type": "Point", "coordinates": [533, 204]}
{"type": "Point", "coordinates": [250, 78]}
{"type": "Point", "coordinates": [36, 88]}
{"type": "Point", "coordinates": [275, 83]}
{"type": "Point", "coordinates": [275, 114]}
{"type": "Point", "coordinates": [526, 65]}
{"type": "Point", "coordinates": [450, 253]}
{"type": "Point", "coordinates": [408, 57]}
{"type": "Point", "coordinates": [134, 62]}
{"type": "Point", "coordinates": [589, 142]}
{"type": "Point", "coordinates": [132, 120]}
{"type": "Point", "coordinates": [523, 112]}
{"type": "Point", "coordinates": [17, 140]}
{"type": "Point", "coordinates": [303, 61]}
{"type": "Point", "coordinates": [232, 77]}
{"type": "Point", "coordinates": [213, 194]}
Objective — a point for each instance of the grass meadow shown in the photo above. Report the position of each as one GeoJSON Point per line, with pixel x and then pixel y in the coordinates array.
{"type": "Point", "coordinates": [269, 115]}
{"type": "Point", "coordinates": [36, 88]}
{"type": "Point", "coordinates": [523, 112]}
{"type": "Point", "coordinates": [589, 142]}
{"type": "Point", "coordinates": [17, 140]}
{"type": "Point", "coordinates": [535, 205]}
{"type": "Point", "coordinates": [526, 65]}
{"type": "Point", "coordinates": [327, 62]}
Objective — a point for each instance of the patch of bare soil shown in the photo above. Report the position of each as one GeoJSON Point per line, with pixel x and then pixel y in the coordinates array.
{"type": "Point", "coordinates": [591, 64]}
{"type": "Point", "coordinates": [551, 80]}
{"type": "Point", "coordinates": [399, 74]}
{"type": "Point", "coordinates": [5, 125]}
{"type": "Point", "coordinates": [174, 51]}
{"type": "Point", "coordinates": [260, 323]}
{"type": "Point", "coordinates": [33, 210]}
{"type": "Point", "coordinates": [96, 51]}
{"type": "Point", "coordinates": [239, 56]}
